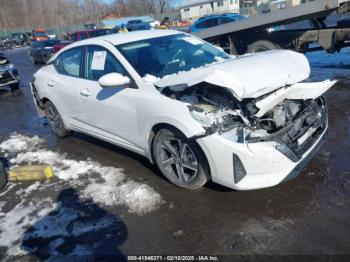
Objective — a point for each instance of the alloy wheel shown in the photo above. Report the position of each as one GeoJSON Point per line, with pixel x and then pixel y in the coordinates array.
{"type": "Point", "coordinates": [178, 160]}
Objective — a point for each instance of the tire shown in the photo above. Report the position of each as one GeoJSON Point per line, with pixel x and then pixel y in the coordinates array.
{"type": "Point", "coordinates": [14, 86]}
{"type": "Point", "coordinates": [188, 169]}
{"type": "Point", "coordinates": [55, 121]}
{"type": "Point", "coordinates": [262, 46]}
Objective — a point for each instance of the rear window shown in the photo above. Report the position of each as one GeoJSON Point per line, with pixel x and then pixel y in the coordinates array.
{"type": "Point", "coordinates": [69, 62]}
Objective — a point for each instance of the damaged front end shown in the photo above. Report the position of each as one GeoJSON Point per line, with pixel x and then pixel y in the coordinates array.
{"type": "Point", "coordinates": [293, 117]}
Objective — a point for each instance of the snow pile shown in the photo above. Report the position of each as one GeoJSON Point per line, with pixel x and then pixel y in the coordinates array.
{"type": "Point", "coordinates": [17, 143]}
{"type": "Point", "coordinates": [47, 225]}
{"type": "Point", "coordinates": [150, 78]}
{"type": "Point", "coordinates": [111, 187]}
{"type": "Point", "coordinates": [139, 198]}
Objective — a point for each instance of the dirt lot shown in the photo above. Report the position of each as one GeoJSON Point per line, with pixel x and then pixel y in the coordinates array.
{"type": "Point", "coordinates": [108, 201]}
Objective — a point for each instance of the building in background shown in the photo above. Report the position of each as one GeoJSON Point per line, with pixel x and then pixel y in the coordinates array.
{"type": "Point", "coordinates": [281, 4]}
{"type": "Point", "coordinates": [194, 9]}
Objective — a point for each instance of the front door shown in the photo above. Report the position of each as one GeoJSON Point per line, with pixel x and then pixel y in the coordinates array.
{"type": "Point", "coordinates": [109, 112]}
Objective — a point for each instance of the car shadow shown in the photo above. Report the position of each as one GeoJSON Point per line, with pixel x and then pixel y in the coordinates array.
{"type": "Point", "coordinates": [143, 160]}
{"type": "Point", "coordinates": [119, 150]}
{"type": "Point", "coordinates": [76, 230]}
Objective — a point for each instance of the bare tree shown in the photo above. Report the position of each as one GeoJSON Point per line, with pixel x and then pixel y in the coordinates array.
{"type": "Point", "coordinates": [15, 14]}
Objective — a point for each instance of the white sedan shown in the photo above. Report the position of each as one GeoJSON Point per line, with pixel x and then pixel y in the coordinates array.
{"type": "Point", "coordinates": [199, 114]}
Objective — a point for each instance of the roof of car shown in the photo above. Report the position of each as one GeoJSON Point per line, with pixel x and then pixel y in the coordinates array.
{"type": "Point", "coordinates": [123, 38]}
{"type": "Point", "coordinates": [219, 15]}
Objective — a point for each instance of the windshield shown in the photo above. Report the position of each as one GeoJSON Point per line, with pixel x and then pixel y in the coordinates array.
{"type": "Point", "coordinates": [170, 55]}
{"type": "Point", "coordinates": [40, 34]}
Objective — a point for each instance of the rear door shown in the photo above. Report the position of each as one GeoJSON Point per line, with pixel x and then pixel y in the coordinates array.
{"type": "Point", "coordinates": [64, 85]}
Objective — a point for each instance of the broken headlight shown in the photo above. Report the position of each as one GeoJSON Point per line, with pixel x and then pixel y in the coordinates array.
{"type": "Point", "coordinates": [217, 121]}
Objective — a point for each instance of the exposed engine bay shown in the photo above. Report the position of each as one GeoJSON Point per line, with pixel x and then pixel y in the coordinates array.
{"type": "Point", "coordinates": [290, 122]}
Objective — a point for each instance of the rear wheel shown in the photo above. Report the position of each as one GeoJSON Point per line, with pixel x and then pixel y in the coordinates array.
{"type": "Point", "coordinates": [180, 160]}
{"type": "Point", "coordinates": [55, 120]}
{"type": "Point", "coordinates": [262, 46]}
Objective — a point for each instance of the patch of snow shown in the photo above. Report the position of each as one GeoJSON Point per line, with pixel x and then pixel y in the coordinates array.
{"type": "Point", "coordinates": [17, 143]}
{"type": "Point", "coordinates": [15, 222]}
{"type": "Point", "coordinates": [150, 78]}
{"type": "Point", "coordinates": [112, 189]}
{"type": "Point", "coordinates": [220, 59]}
{"type": "Point", "coordinates": [139, 198]}
{"type": "Point", "coordinates": [24, 192]}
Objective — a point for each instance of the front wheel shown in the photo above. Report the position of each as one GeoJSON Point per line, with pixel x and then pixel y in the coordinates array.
{"type": "Point", "coordinates": [180, 160]}
{"type": "Point", "coordinates": [55, 120]}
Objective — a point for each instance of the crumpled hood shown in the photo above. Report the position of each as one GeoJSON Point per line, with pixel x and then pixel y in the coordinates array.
{"type": "Point", "coordinates": [248, 76]}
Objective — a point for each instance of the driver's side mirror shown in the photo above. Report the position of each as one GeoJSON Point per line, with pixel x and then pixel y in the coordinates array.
{"type": "Point", "coordinates": [114, 80]}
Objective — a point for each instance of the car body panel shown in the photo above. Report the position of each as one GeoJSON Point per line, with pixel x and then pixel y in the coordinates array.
{"type": "Point", "coordinates": [294, 92]}
{"type": "Point", "coordinates": [235, 74]}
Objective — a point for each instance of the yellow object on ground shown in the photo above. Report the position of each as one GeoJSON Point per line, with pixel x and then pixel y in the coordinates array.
{"type": "Point", "coordinates": [30, 173]}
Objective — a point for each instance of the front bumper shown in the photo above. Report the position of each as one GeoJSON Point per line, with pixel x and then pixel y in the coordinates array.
{"type": "Point", "coordinates": [264, 165]}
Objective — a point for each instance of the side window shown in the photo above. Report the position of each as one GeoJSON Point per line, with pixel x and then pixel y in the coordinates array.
{"type": "Point", "coordinates": [100, 62]}
{"type": "Point", "coordinates": [211, 22]}
{"type": "Point", "coordinates": [201, 25]}
{"type": "Point", "coordinates": [225, 20]}
{"type": "Point", "coordinates": [83, 36]}
{"type": "Point", "coordinates": [69, 62]}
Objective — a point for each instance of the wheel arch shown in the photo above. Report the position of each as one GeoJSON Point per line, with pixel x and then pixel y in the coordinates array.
{"type": "Point", "coordinates": [157, 127]}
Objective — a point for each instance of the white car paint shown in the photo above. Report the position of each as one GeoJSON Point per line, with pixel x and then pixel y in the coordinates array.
{"type": "Point", "coordinates": [126, 116]}
{"type": "Point", "coordinates": [236, 74]}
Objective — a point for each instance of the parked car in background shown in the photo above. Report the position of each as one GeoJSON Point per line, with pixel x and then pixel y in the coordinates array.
{"type": "Point", "coordinates": [154, 24]}
{"type": "Point", "coordinates": [57, 47]}
{"type": "Point", "coordinates": [5, 43]}
{"type": "Point", "coordinates": [18, 39]}
{"type": "Point", "coordinates": [8, 73]}
{"type": "Point", "coordinates": [39, 34]}
{"type": "Point", "coordinates": [215, 20]}
{"type": "Point", "coordinates": [51, 34]}
{"type": "Point", "coordinates": [90, 26]}
{"type": "Point", "coordinates": [41, 51]}
{"type": "Point", "coordinates": [82, 35]}
{"type": "Point", "coordinates": [136, 25]}
{"type": "Point", "coordinates": [103, 31]}
{"type": "Point", "coordinates": [245, 122]}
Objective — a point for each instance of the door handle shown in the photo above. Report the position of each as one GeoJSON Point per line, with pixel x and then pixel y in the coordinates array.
{"type": "Point", "coordinates": [85, 92]}
{"type": "Point", "coordinates": [51, 84]}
